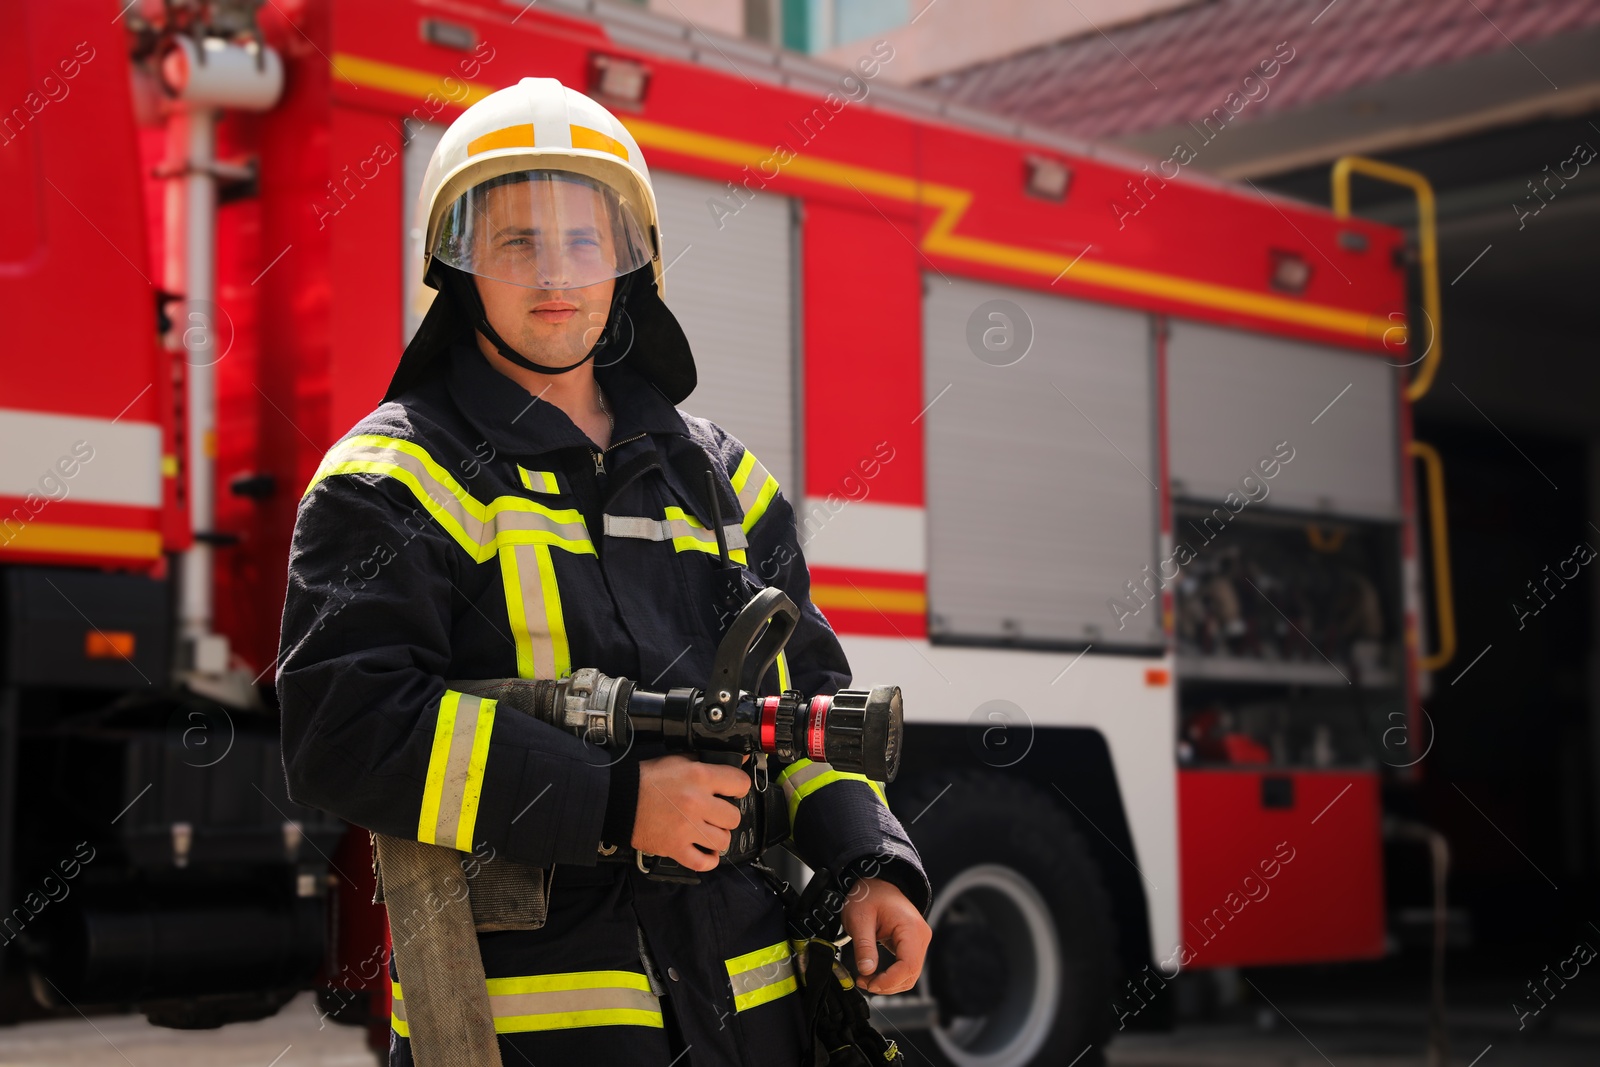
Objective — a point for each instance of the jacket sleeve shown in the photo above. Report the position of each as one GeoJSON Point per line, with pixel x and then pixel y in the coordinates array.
{"type": "Point", "coordinates": [371, 733]}
{"type": "Point", "coordinates": [837, 820]}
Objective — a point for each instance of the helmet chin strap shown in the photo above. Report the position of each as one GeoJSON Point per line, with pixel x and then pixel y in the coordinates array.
{"type": "Point", "coordinates": [460, 286]}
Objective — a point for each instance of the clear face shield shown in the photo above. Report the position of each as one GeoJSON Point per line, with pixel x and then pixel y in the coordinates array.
{"type": "Point", "coordinates": [542, 229]}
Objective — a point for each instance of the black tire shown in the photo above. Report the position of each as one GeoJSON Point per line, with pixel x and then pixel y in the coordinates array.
{"type": "Point", "coordinates": [1000, 853]}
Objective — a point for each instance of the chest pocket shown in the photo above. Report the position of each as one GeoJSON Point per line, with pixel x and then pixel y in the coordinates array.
{"type": "Point", "coordinates": [544, 483]}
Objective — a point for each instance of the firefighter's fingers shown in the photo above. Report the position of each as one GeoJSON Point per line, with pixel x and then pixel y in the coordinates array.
{"type": "Point", "coordinates": [711, 842]}
{"type": "Point", "coordinates": [882, 913]}
{"type": "Point", "coordinates": [719, 812]}
{"type": "Point", "coordinates": [718, 838]}
{"type": "Point", "coordinates": [697, 858]}
{"type": "Point", "coordinates": [861, 923]}
{"type": "Point", "coordinates": [907, 936]}
{"type": "Point", "coordinates": [720, 778]}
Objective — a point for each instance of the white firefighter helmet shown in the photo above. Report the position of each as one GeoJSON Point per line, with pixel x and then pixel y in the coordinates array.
{"type": "Point", "coordinates": [511, 159]}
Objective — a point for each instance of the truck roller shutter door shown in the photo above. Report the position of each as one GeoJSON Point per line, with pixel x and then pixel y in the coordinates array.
{"type": "Point", "coordinates": [420, 141]}
{"type": "Point", "coordinates": [1233, 396]}
{"type": "Point", "coordinates": [731, 288]}
{"type": "Point", "coordinates": [1041, 475]}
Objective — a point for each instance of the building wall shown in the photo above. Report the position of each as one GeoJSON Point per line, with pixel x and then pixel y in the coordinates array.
{"type": "Point", "coordinates": [710, 16]}
{"type": "Point", "coordinates": [949, 34]}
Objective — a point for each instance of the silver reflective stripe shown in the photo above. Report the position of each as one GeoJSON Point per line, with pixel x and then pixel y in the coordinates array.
{"type": "Point", "coordinates": [669, 529]}
{"type": "Point", "coordinates": [635, 526]}
{"type": "Point", "coordinates": [539, 481]}
{"type": "Point", "coordinates": [798, 774]}
{"type": "Point", "coordinates": [804, 776]}
{"type": "Point", "coordinates": [756, 488]}
{"type": "Point", "coordinates": [454, 780]}
{"type": "Point", "coordinates": [763, 975]}
{"type": "Point", "coordinates": [533, 601]}
{"type": "Point", "coordinates": [479, 528]}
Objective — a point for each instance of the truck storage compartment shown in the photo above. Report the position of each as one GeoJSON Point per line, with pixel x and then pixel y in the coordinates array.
{"type": "Point", "coordinates": [1278, 867]}
{"type": "Point", "coordinates": [86, 629]}
{"type": "Point", "coordinates": [194, 875]}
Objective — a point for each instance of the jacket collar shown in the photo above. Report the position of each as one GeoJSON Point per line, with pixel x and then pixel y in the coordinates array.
{"type": "Point", "coordinates": [513, 421]}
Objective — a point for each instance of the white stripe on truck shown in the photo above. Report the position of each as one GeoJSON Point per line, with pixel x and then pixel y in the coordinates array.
{"type": "Point", "coordinates": [109, 462]}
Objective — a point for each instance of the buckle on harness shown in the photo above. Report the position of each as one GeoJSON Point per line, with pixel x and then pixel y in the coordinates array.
{"type": "Point", "coordinates": [665, 869]}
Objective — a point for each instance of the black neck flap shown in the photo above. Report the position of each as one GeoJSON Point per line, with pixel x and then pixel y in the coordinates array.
{"type": "Point", "coordinates": [639, 328]}
{"type": "Point", "coordinates": [464, 290]}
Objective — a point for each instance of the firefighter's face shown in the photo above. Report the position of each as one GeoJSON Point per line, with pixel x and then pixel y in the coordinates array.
{"type": "Point", "coordinates": [550, 236]}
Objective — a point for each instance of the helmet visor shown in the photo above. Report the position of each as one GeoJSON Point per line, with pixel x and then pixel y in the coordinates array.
{"type": "Point", "coordinates": [543, 229]}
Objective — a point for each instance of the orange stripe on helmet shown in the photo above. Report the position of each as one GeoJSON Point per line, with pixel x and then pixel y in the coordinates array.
{"type": "Point", "coordinates": [522, 137]}
{"type": "Point", "coordinates": [510, 137]}
{"type": "Point", "coordinates": [583, 137]}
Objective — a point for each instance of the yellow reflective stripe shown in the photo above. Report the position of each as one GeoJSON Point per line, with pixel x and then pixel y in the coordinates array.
{"type": "Point", "coordinates": [762, 994]}
{"type": "Point", "coordinates": [438, 760]}
{"type": "Point", "coordinates": [473, 792]}
{"type": "Point", "coordinates": [558, 1002]}
{"type": "Point", "coordinates": [454, 782]}
{"type": "Point", "coordinates": [761, 976]}
{"type": "Point", "coordinates": [533, 601]}
{"type": "Point", "coordinates": [758, 958]}
{"type": "Point", "coordinates": [561, 654]}
{"type": "Point", "coordinates": [552, 983]}
{"type": "Point", "coordinates": [689, 534]}
{"type": "Point", "coordinates": [753, 514]}
{"type": "Point", "coordinates": [803, 777]}
{"type": "Point", "coordinates": [479, 528]}
{"type": "Point", "coordinates": [678, 523]}
{"type": "Point", "coordinates": [783, 672]}
{"type": "Point", "coordinates": [755, 487]}
{"type": "Point", "coordinates": [538, 481]}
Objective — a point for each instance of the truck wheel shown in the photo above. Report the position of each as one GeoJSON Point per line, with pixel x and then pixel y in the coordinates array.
{"type": "Point", "coordinates": [1023, 962]}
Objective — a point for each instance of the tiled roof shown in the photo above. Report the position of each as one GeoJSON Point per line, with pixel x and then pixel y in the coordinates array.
{"type": "Point", "coordinates": [1178, 66]}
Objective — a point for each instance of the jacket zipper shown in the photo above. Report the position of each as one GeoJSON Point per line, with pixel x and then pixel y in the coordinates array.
{"type": "Point", "coordinates": [600, 472]}
{"type": "Point", "coordinates": [600, 453]}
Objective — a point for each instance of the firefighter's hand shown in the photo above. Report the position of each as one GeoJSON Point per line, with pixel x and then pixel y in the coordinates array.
{"type": "Point", "coordinates": [875, 911]}
{"type": "Point", "coordinates": [680, 814]}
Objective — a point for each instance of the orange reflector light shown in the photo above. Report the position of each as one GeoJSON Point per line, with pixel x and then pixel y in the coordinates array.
{"type": "Point", "coordinates": [1156, 676]}
{"type": "Point", "coordinates": [113, 644]}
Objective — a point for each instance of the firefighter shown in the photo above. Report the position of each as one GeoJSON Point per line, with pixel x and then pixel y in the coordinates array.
{"type": "Point", "coordinates": [528, 500]}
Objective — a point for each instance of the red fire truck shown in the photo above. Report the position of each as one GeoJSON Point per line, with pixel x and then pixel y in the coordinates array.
{"type": "Point", "coordinates": [1105, 463]}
